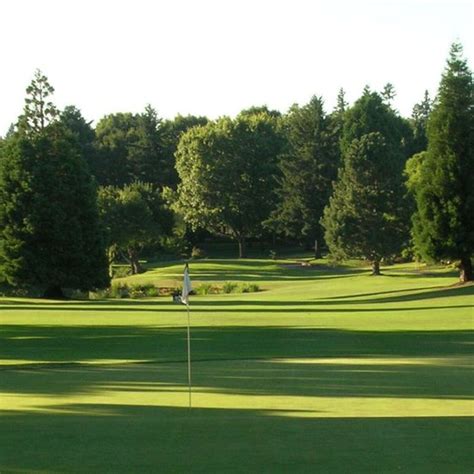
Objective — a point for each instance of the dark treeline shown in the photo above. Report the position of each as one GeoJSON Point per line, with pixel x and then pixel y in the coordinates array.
{"type": "Point", "coordinates": [359, 181]}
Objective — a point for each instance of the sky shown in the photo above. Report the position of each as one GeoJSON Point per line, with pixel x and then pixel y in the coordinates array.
{"type": "Point", "coordinates": [217, 57]}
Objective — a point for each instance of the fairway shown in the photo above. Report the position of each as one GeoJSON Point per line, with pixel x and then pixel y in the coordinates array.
{"type": "Point", "coordinates": [323, 370]}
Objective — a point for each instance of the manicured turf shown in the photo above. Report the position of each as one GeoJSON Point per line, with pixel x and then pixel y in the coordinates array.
{"type": "Point", "coordinates": [325, 370]}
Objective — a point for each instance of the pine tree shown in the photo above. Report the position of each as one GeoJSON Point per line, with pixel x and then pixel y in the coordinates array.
{"type": "Point", "coordinates": [443, 224]}
{"type": "Point", "coordinates": [365, 216]}
{"type": "Point", "coordinates": [308, 169]}
{"type": "Point", "coordinates": [419, 119]}
{"type": "Point", "coordinates": [49, 224]}
{"type": "Point", "coordinates": [38, 111]}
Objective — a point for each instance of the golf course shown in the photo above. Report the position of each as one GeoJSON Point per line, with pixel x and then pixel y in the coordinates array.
{"type": "Point", "coordinates": [323, 369]}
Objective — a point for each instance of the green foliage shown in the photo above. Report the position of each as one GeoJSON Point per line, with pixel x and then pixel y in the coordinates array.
{"type": "Point", "coordinates": [206, 289]}
{"type": "Point", "coordinates": [366, 215]}
{"type": "Point", "coordinates": [250, 288]}
{"type": "Point", "coordinates": [308, 168]}
{"type": "Point", "coordinates": [50, 236]}
{"type": "Point", "coordinates": [171, 132]}
{"type": "Point", "coordinates": [130, 148]}
{"type": "Point", "coordinates": [226, 288]}
{"type": "Point", "coordinates": [229, 287]}
{"type": "Point", "coordinates": [443, 226]}
{"type": "Point", "coordinates": [419, 120]}
{"type": "Point", "coordinates": [125, 290]}
{"type": "Point", "coordinates": [134, 216]}
{"type": "Point", "coordinates": [227, 170]}
{"type": "Point", "coordinates": [82, 130]}
{"type": "Point", "coordinates": [49, 225]}
{"type": "Point", "coordinates": [38, 111]}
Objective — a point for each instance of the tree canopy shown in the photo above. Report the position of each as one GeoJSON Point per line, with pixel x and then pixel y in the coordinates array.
{"type": "Point", "coordinates": [227, 170]}
{"type": "Point", "coordinates": [308, 168]}
{"type": "Point", "coordinates": [50, 236]}
{"type": "Point", "coordinates": [365, 217]}
{"type": "Point", "coordinates": [441, 181]}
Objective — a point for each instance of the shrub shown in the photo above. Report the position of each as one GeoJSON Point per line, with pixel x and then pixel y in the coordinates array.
{"type": "Point", "coordinates": [120, 290]}
{"type": "Point", "coordinates": [141, 290]}
{"type": "Point", "coordinates": [250, 288]}
{"type": "Point", "coordinates": [206, 289]}
{"type": "Point", "coordinates": [229, 287]}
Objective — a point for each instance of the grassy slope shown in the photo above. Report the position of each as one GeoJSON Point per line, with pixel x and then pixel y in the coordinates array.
{"type": "Point", "coordinates": [325, 371]}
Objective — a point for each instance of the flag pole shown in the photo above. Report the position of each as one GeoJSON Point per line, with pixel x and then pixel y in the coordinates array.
{"type": "Point", "coordinates": [185, 299]}
{"type": "Point", "coordinates": [189, 355]}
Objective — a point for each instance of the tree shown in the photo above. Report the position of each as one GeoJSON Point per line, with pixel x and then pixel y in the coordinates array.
{"type": "Point", "coordinates": [388, 93]}
{"type": "Point", "coordinates": [443, 226]}
{"type": "Point", "coordinates": [227, 170]}
{"type": "Point", "coordinates": [50, 236]}
{"type": "Point", "coordinates": [134, 216]}
{"type": "Point", "coordinates": [308, 169]}
{"type": "Point", "coordinates": [419, 120]}
{"type": "Point", "coordinates": [130, 148]}
{"type": "Point", "coordinates": [38, 111]}
{"type": "Point", "coordinates": [171, 132]}
{"type": "Point", "coordinates": [82, 130]}
{"type": "Point", "coordinates": [365, 217]}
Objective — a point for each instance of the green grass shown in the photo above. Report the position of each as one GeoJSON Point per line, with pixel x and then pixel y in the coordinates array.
{"type": "Point", "coordinates": [325, 370]}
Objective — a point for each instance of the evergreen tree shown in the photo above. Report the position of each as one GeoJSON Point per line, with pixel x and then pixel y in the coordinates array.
{"type": "Point", "coordinates": [38, 111]}
{"type": "Point", "coordinates": [443, 226]}
{"type": "Point", "coordinates": [49, 224]}
{"type": "Point", "coordinates": [365, 217]}
{"type": "Point", "coordinates": [388, 93]}
{"type": "Point", "coordinates": [419, 120]}
{"type": "Point", "coordinates": [308, 169]}
{"type": "Point", "coordinates": [82, 130]}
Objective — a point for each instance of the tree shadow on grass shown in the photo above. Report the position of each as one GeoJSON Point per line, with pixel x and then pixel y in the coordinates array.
{"type": "Point", "coordinates": [145, 439]}
{"type": "Point", "coordinates": [265, 361]}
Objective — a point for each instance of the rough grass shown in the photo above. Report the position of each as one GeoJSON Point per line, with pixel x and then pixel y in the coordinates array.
{"type": "Point", "coordinates": [326, 370]}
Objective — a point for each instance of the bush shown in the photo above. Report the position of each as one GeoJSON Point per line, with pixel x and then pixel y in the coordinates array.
{"type": "Point", "coordinates": [250, 288]}
{"type": "Point", "coordinates": [207, 289]}
{"type": "Point", "coordinates": [118, 291]}
{"type": "Point", "coordinates": [141, 290]}
{"type": "Point", "coordinates": [229, 287]}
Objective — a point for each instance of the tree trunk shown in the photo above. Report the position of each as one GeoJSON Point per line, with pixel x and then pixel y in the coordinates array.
{"type": "Point", "coordinates": [465, 269]}
{"type": "Point", "coordinates": [242, 247]}
{"type": "Point", "coordinates": [134, 262]}
{"type": "Point", "coordinates": [53, 292]}
{"type": "Point", "coordinates": [317, 250]}
{"type": "Point", "coordinates": [376, 267]}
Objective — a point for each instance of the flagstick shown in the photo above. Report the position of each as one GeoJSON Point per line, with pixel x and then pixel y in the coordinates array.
{"type": "Point", "coordinates": [189, 356]}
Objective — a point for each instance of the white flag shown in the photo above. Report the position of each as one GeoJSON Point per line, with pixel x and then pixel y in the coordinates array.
{"type": "Point", "coordinates": [186, 286]}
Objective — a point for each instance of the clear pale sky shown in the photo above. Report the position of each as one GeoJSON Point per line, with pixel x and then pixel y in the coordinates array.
{"type": "Point", "coordinates": [216, 57]}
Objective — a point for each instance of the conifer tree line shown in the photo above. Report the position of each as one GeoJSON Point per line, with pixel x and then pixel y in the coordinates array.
{"type": "Point", "coordinates": [357, 182]}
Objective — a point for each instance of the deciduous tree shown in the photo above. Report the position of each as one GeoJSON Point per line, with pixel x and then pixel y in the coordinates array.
{"type": "Point", "coordinates": [227, 170]}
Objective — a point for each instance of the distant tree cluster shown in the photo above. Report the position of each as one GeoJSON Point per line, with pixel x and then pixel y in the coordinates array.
{"type": "Point", "coordinates": [361, 182]}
